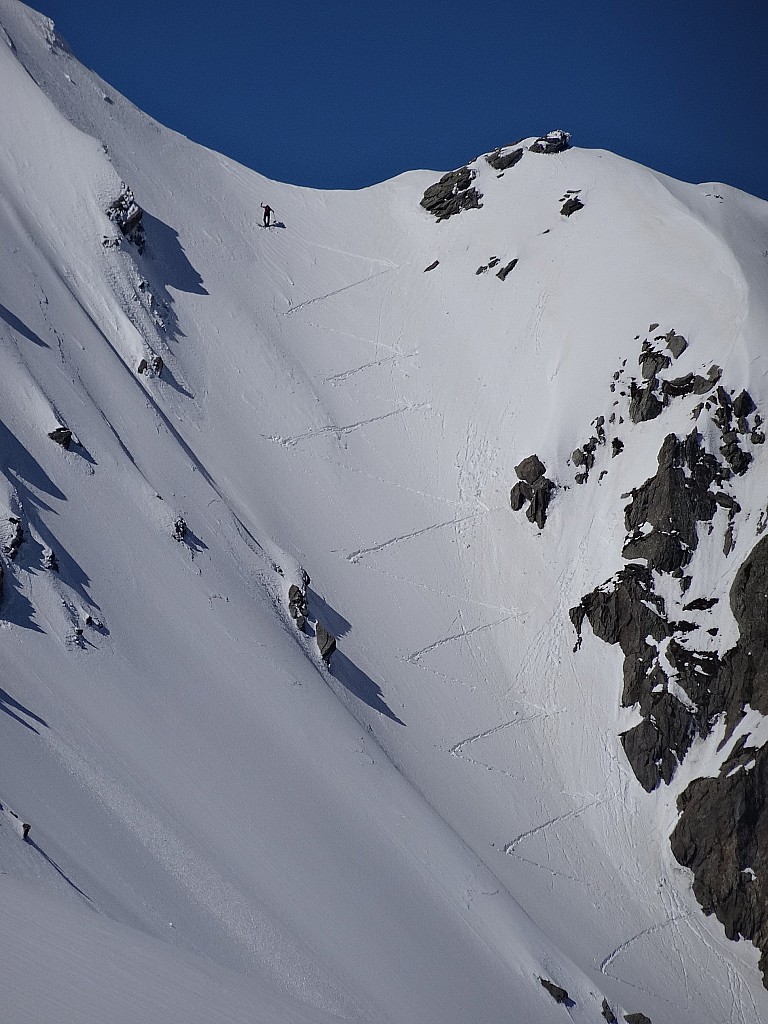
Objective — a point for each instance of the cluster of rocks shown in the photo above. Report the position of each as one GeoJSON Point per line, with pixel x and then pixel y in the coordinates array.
{"type": "Point", "coordinates": [561, 996]}
{"type": "Point", "coordinates": [179, 529]}
{"type": "Point", "coordinates": [452, 194]}
{"type": "Point", "coordinates": [532, 487]}
{"type": "Point", "coordinates": [494, 261]}
{"type": "Point", "coordinates": [298, 608]}
{"type": "Point", "coordinates": [583, 457]}
{"type": "Point", "coordinates": [649, 395]}
{"type": "Point", "coordinates": [501, 161]}
{"type": "Point", "coordinates": [155, 365]}
{"type": "Point", "coordinates": [127, 214]}
{"type": "Point", "coordinates": [553, 142]}
{"type": "Point", "coordinates": [732, 419]}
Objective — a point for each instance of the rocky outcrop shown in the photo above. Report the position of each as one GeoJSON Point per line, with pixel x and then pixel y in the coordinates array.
{"type": "Point", "coordinates": [431, 266]}
{"type": "Point", "coordinates": [127, 214]}
{"type": "Point", "coordinates": [501, 161]}
{"type": "Point", "coordinates": [179, 529]}
{"type": "Point", "coordinates": [637, 1018]}
{"type": "Point", "coordinates": [607, 1013]}
{"type": "Point", "coordinates": [505, 271]}
{"type": "Point", "coordinates": [571, 206]}
{"type": "Point", "coordinates": [532, 487]}
{"type": "Point", "coordinates": [452, 194]}
{"type": "Point", "coordinates": [297, 604]}
{"type": "Point", "coordinates": [16, 538]}
{"type": "Point", "coordinates": [662, 516]}
{"type": "Point", "coordinates": [730, 878]}
{"type": "Point", "coordinates": [62, 436]}
{"type": "Point", "coordinates": [326, 642]}
{"type": "Point", "coordinates": [558, 993]}
{"type": "Point", "coordinates": [553, 142]}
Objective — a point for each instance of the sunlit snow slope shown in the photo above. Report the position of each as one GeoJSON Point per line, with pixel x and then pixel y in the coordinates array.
{"type": "Point", "coordinates": [222, 828]}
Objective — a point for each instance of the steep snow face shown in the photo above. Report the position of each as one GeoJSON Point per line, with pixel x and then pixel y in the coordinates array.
{"type": "Point", "coordinates": [445, 813]}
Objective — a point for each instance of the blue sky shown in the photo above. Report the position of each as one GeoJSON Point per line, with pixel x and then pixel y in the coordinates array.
{"type": "Point", "coordinates": [342, 94]}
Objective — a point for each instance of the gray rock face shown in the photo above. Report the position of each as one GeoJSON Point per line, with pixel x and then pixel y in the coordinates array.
{"type": "Point", "coordinates": [730, 876]}
{"type": "Point", "coordinates": [722, 832]}
{"type": "Point", "coordinates": [326, 642]}
{"type": "Point", "coordinates": [502, 161]}
{"type": "Point", "coordinates": [62, 436]}
{"type": "Point", "coordinates": [452, 194]}
{"type": "Point", "coordinates": [637, 1018]}
{"type": "Point", "coordinates": [553, 142]}
{"type": "Point", "coordinates": [179, 529]}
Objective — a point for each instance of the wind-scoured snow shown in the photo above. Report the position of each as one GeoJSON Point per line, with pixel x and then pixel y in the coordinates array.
{"type": "Point", "coordinates": [222, 828]}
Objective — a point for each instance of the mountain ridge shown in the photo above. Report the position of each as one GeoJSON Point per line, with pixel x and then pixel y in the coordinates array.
{"type": "Point", "coordinates": [324, 405]}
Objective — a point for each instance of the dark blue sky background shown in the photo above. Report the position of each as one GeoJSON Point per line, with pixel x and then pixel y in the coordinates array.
{"type": "Point", "coordinates": [345, 93]}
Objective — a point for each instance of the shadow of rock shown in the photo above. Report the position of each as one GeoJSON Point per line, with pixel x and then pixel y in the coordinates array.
{"type": "Point", "coordinates": [168, 378]}
{"type": "Point", "coordinates": [31, 480]}
{"type": "Point", "coordinates": [56, 868]}
{"type": "Point", "coordinates": [10, 706]}
{"type": "Point", "coordinates": [20, 327]}
{"type": "Point", "coordinates": [167, 266]}
{"type": "Point", "coordinates": [17, 608]}
{"type": "Point", "coordinates": [321, 611]}
{"type": "Point", "coordinates": [193, 542]}
{"type": "Point", "coordinates": [360, 685]}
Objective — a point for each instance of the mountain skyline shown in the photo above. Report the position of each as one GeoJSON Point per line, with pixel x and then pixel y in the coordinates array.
{"type": "Point", "coordinates": [339, 96]}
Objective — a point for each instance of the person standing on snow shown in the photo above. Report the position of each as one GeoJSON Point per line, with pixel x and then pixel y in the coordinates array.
{"type": "Point", "coordinates": [267, 214]}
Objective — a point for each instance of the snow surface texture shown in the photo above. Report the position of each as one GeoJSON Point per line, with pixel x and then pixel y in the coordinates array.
{"type": "Point", "coordinates": [222, 827]}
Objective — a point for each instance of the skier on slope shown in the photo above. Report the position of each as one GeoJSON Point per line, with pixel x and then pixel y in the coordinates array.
{"type": "Point", "coordinates": [267, 214]}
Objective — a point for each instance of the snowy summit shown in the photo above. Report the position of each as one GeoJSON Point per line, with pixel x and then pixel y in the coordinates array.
{"type": "Point", "coordinates": [383, 616]}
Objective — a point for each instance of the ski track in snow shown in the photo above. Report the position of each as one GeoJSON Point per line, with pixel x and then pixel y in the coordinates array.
{"type": "Point", "coordinates": [336, 291]}
{"type": "Point", "coordinates": [340, 431]}
{"type": "Point", "coordinates": [338, 378]}
{"type": "Point", "coordinates": [358, 555]}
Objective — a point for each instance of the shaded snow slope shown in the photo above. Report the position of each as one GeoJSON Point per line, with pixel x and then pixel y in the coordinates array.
{"type": "Point", "coordinates": [448, 813]}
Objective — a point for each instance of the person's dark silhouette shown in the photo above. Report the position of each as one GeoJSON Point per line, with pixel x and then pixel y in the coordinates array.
{"type": "Point", "coordinates": [267, 214]}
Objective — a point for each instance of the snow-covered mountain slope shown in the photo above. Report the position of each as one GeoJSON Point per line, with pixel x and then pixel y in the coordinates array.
{"type": "Point", "coordinates": [446, 813]}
